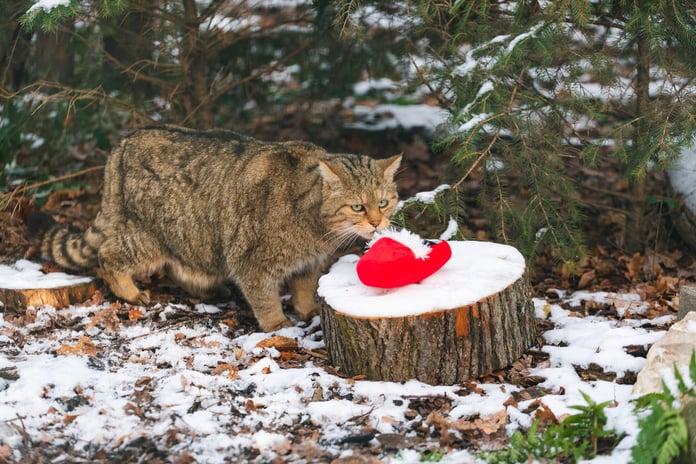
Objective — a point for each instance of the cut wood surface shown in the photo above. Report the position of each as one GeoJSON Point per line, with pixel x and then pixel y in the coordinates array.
{"type": "Point", "coordinates": [23, 284]}
{"type": "Point", "coordinates": [485, 319]}
{"type": "Point", "coordinates": [59, 297]}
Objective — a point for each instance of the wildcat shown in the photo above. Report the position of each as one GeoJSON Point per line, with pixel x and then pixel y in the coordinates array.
{"type": "Point", "coordinates": [210, 207]}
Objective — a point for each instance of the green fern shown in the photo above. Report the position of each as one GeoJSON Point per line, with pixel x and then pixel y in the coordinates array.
{"type": "Point", "coordinates": [576, 438]}
{"type": "Point", "coordinates": [663, 436]}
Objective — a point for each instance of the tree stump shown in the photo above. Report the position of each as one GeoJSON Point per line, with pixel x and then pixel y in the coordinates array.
{"type": "Point", "coordinates": [473, 316]}
{"type": "Point", "coordinates": [23, 284]}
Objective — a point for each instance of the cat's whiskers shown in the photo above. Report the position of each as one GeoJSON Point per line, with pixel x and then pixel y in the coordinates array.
{"type": "Point", "coordinates": [342, 238]}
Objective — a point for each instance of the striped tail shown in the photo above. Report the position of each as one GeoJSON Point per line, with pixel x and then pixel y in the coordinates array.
{"type": "Point", "coordinates": [70, 250]}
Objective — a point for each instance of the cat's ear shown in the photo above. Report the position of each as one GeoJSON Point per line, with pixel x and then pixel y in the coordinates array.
{"type": "Point", "coordinates": [328, 173]}
{"type": "Point", "coordinates": [389, 166]}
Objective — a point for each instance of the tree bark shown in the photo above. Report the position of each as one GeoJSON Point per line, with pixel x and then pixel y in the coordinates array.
{"type": "Point", "coordinates": [635, 239]}
{"type": "Point", "coordinates": [193, 62]}
{"type": "Point", "coordinates": [59, 297]}
{"type": "Point", "coordinates": [441, 347]}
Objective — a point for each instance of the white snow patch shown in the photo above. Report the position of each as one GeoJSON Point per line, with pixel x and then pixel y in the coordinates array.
{"type": "Point", "coordinates": [47, 5]}
{"type": "Point", "coordinates": [476, 270]}
{"type": "Point", "coordinates": [26, 274]}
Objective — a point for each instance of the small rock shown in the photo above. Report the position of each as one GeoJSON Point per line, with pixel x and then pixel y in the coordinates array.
{"type": "Point", "coordinates": [675, 347]}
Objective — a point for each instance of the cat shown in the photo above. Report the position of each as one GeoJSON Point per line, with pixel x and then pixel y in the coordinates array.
{"type": "Point", "coordinates": [213, 207]}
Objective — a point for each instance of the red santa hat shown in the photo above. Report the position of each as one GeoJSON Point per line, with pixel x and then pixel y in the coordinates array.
{"type": "Point", "coordinates": [399, 257]}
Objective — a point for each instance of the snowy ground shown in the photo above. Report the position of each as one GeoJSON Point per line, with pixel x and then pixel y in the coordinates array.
{"type": "Point", "coordinates": [93, 380]}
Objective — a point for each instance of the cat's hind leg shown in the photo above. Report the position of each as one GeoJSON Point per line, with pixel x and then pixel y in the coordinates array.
{"type": "Point", "coordinates": [124, 257]}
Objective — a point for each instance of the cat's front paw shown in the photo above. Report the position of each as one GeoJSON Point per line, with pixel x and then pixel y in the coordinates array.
{"type": "Point", "coordinates": [142, 298]}
{"type": "Point", "coordinates": [273, 326]}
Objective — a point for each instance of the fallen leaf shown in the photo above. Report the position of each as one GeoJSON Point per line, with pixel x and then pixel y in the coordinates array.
{"type": "Point", "coordinates": [132, 409]}
{"type": "Point", "coordinates": [587, 278]}
{"type": "Point", "coordinates": [278, 342]}
{"type": "Point", "coordinates": [232, 371]}
{"type": "Point", "coordinates": [84, 346]}
{"type": "Point", "coordinates": [202, 343]}
{"type": "Point", "coordinates": [107, 317]}
{"type": "Point", "coordinates": [486, 425]}
{"type": "Point", "coordinates": [5, 453]}
{"type": "Point", "coordinates": [121, 440]}
{"type": "Point", "coordinates": [634, 267]}
{"type": "Point", "coordinates": [545, 414]}
{"type": "Point", "coordinates": [135, 314]}
{"type": "Point", "coordinates": [666, 284]}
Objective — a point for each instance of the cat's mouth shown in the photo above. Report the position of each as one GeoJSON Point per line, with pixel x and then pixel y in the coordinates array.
{"type": "Point", "coordinates": [369, 233]}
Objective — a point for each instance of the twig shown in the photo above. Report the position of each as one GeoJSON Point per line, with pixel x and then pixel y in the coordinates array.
{"type": "Point", "coordinates": [57, 179]}
{"type": "Point", "coordinates": [438, 95]}
{"type": "Point", "coordinates": [5, 198]}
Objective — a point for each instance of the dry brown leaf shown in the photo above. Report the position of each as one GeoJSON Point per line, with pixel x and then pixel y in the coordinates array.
{"type": "Point", "coordinates": [84, 346]}
{"type": "Point", "coordinates": [231, 322]}
{"type": "Point", "coordinates": [135, 314]}
{"type": "Point", "coordinates": [201, 343]}
{"type": "Point", "coordinates": [121, 440]}
{"type": "Point", "coordinates": [488, 425]}
{"type": "Point", "coordinates": [68, 418]}
{"type": "Point", "coordinates": [587, 278]}
{"type": "Point", "coordinates": [97, 299]}
{"type": "Point", "coordinates": [107, 317]}
{"type": "Point", "coordinates": [634, 267]}
{"type": "Point", "coordinates": [132, 409]}
{"type": "Point", "coordinates": [278, 342]}
{"type": "Point", "coordinates": [232, 371]}
{"type": "Point", "coordinates": [666, 284]}
{"type": "Point", "coordinates": [56, 200]}
{"type": "Point", "coordinates": [238, 353]}
{"type": "Point", "coordinates": [545, 414]}
{"type": "Point", "coordinates": [143, 381]}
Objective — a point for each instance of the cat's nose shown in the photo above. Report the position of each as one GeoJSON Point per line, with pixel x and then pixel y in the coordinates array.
{"type": "Point", "coordinates": [375, 223]}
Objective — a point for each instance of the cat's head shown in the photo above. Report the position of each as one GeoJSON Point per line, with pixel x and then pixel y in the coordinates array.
{"type": "Point", "coordinates": [359, 194]}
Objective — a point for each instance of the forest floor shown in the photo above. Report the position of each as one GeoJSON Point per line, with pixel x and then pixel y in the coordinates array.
{"type": "Point", "coordinates": [183, 381]}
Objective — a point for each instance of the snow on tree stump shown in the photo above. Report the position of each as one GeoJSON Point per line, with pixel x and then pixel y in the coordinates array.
{"type": "Point", "coordinates": [23, 284]}
{"type": "Point", "coordinates": [473, 316]}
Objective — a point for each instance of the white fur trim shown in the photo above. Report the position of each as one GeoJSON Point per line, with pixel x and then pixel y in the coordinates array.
{"type": "Point", "coordinates": [406, 238]}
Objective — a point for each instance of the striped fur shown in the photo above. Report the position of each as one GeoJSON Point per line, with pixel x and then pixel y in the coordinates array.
{"type": "Point", "coordinates": [215, 207]}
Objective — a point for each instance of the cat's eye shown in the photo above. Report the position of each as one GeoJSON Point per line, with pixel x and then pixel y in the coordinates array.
{"type": "Point", "coordinates": [383, 203]}
{"type": "Point", "coordinates": [357, 208]}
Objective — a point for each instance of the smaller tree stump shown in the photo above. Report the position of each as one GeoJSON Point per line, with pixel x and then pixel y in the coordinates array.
{"type": "Point", "coordinates": [23, 284]}
{"type": "Point", "coordinates": [473, 316]}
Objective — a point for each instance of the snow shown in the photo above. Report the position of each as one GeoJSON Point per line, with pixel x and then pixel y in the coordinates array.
{"type": "Point", "coordinates": [681, 176]}
{"type": "Point", "coordinates": [48, 5]}
{"type": "Point", "coordinates": [427, 197]}
{"type": "Point", "coordinates": [476, 270]}
{"type": "Point", "coordinates": [24, 274]}
{"type": "Point", "coordinates": [158, 380]}
{"type": "Point", "coordinates": [390, 116]}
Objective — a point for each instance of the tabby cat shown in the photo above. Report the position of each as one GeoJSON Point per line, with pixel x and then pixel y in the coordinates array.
{"type": "Point", "coordinates": [212, 207]}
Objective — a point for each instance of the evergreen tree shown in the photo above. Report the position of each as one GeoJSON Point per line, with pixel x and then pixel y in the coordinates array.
{"type": "Point", "coordinates": [529, 82]}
